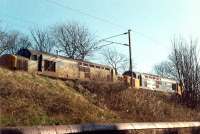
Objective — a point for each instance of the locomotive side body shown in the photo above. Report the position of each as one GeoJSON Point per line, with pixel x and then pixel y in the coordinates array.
{"type": "Point", "coordinates": [168, 85]}
{"type": "Point", "coordinates": [8, 61]}
{"type": "Point", "coordinates": [151, 82]}
{"type": "Point", "coordinates": [57, 66]}
{"type": "Point", "coordinates": [96, 72]}
{"type": "Point", "coordinates": [14, 62]}
{"type": "Point", "coordinates": [155, 82]}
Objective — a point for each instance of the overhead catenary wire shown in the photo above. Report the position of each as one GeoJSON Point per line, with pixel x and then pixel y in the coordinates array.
{"type": "Point", "coordinates": [89, 15]}
{"type": "Point", "coordinates": [111, 37]}
{"type": "Point", "coordinates": [112, 42]}
{"type": "Point", "coordinates": [100, 47]}
{"type": "Point", "coordinates": [116, 43]}
{"type": "Point", "coordinates": [86, 14]}
{"type": "Point", "coordinates": [103, 20]}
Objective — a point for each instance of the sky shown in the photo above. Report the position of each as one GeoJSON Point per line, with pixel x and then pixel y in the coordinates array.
{"type": "Point", "coordinates": [153, 22]}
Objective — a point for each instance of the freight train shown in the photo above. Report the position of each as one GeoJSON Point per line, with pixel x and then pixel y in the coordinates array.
{"type": "Point", "coordinates": [65, 68]}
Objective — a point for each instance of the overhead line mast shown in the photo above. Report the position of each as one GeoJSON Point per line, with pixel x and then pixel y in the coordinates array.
{"type": "Point", "coordinates": [130, 51]}
{"type": "Point", "coordinates": [130, 57]}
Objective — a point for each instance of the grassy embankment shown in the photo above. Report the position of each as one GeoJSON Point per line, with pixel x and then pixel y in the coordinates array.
{"type": "Point", "coordinates": [29, 99]}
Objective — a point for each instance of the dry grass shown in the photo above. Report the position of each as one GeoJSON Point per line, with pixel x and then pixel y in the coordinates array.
{"type": "Point", "coordinates": [32, 100]}
{"type": "Point", "coordinates": [28, 99]}
{"type": "Point", "coordinates": [140, 105]}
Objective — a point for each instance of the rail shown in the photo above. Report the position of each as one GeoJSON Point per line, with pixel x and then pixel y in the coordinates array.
{"type": "Point", "coordinates": [68, 129]}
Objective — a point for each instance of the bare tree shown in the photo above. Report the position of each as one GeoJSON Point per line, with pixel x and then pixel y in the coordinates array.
{"type": "Point", "coordinates": [17, 41]}
{"type": "Point", "coordinates": [115, 59]}
{"type": "Point", "coordinates": [184, 66]}
{"type": "Point", "coordinates": [74, 40]}
{"type": "Point", "coordinates": [11, 42]}
{"type": "Point", "coordinates": [42, 41]}
{"type": "Point", "coordinates": [186, 60]}
{"type": "Point", "coordinates": [3, 45]}
{"type": "Point", "coordinates": [165, 69]}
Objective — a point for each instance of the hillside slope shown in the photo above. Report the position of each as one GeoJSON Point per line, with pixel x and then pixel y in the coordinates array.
{"type": "Point", "coordinates": [32, 100]}
{"type": "Point", "coordinates": [140, 105]}
{"type": "Point", "coordinates": [29, 99]}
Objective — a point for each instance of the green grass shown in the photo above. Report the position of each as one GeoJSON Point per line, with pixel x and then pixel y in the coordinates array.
{"type": "Point", "coordinates": [29, 99]}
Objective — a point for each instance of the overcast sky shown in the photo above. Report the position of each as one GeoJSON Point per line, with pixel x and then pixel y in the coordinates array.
{"type": "Point", "coordinates": [153, 22]}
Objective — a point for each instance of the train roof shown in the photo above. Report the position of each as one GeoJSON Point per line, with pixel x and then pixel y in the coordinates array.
{"type": "Point", "coordinates": [35, 52]}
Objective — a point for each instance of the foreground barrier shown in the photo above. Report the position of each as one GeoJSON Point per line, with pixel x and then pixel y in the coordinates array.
{"type": "Point", "coordinates": [66, 129]}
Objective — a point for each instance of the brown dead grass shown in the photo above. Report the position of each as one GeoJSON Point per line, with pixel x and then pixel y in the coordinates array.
{"type": "Point", "coordinates": [139, 105]}
{"type": "Point", "coordinates": [29, 99]}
